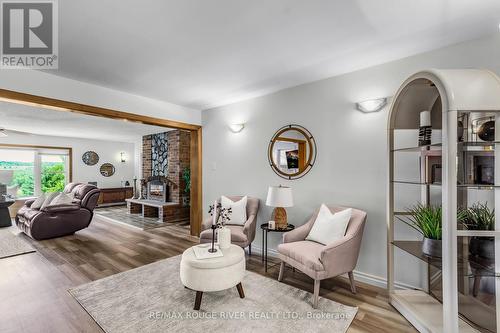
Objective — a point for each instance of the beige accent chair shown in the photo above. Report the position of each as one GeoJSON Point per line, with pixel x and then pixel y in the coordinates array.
{"type": "Point", "coordinates": [241, 235]}
{"type": "Point", "coordinates": [323, 261]}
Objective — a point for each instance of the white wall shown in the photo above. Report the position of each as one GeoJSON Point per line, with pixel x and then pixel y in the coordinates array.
{"type": "Point", "coordinates": [108, 151]}
{"type": "Point", "coordinates": [49, 85]}
{"type": "Point", "coordinates": [351, 165]}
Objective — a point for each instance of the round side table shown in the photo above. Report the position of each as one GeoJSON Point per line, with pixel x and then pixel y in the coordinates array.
{"type": "Point", "coordinates": [265, 231]}
{"type": "Point", "coordinates": [5, 220]}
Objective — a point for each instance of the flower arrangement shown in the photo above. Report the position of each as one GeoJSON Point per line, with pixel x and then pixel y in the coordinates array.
{"type": "Point", "coordinates": [222, 214]}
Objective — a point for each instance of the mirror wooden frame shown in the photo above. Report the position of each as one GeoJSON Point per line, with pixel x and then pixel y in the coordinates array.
{"type": "Point", "coordinates": [311, 143]}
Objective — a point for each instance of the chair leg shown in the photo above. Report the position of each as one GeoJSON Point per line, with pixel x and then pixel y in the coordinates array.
{"type": "Point", "coordinates": [282, 271]}
{"type": "Point", "coordinates": [250, 249]}
{"type": "Point", "coordinates": [316, 293]}
{"type": "Point", "coordinates": [239, 286]}
{"type": "Point", "coordinates": [197, 301]}
{"type": "Point", "coordinates": [353, 283]}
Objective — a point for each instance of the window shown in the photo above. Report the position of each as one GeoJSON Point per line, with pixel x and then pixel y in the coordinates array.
{"type": "Point", "coordinates": [31, 171]}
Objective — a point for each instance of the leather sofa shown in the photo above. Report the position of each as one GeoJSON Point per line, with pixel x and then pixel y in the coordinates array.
{"type": "Point", "coordinates": [59, 220]}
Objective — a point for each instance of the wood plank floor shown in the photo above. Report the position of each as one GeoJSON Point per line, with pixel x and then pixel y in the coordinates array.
{"type": "Point", "coordinates": [33, 287]}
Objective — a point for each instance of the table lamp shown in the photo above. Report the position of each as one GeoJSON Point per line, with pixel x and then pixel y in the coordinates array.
{"type": "Point", "coordinates": [279, 197]}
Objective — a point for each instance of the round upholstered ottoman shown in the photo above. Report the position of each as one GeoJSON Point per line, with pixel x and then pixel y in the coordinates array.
{"type": "Point", "coordinates": [213, 274]}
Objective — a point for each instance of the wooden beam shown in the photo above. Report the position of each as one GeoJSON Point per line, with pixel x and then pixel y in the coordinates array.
{"type": "Point", "coordinates": [196, 210]}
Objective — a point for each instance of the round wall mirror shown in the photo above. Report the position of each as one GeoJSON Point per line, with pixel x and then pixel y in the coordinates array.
{"type": "Point", "coordinates": [292, 152]}
{"type": "Point", "coordinates": [107, 169]}
{"type": "Point", "coordinates": [90, 158]}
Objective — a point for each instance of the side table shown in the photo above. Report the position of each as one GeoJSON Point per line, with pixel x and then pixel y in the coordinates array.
{"type": "Point", "coordinates": [265, 231]}
{"type": "Point", "coordinates": [5, 220]}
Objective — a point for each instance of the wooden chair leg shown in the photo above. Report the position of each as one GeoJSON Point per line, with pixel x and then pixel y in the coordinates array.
{"type": "Point", "coordinates": [197, 301]}
{"type": "Point", "coordinates": [353, 283]}
{"type": "Point", "coordinates": [282, 271]}
{"type": "Point", "coordinates": [316, 293]}
{"type": "Point", "coordinates": [239, 286]}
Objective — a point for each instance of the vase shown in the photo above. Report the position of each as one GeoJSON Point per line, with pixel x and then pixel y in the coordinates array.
{"type": "Point", "coordinates": [483, 247]}
{"type": "Point", "coordinates": [224, 237]}
{"type": "Point", "coordinates": [432, 247]}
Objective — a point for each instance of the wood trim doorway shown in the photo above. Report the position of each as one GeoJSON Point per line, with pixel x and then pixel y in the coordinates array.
{"type": "Point", "coordinates": [196, 211]}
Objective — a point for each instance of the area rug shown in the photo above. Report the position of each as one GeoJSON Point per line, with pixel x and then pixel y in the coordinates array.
{"type": "Point", "coordinates": [13, 245]}
{"type": "Point", "coordinates": [151, 298]}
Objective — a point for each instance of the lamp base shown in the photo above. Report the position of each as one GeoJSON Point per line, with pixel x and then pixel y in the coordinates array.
{"type": "Point", "coordinates": [279, 217]}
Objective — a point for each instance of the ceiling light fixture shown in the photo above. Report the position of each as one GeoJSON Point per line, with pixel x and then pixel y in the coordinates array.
{"type": "Point", "coordinates": [3, 134]}
{"type": "Point", "coordinates": [236, 128]}
{"type": "Point", "coordinates": [372, 105]}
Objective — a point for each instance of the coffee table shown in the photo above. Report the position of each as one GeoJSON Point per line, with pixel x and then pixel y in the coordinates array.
{"type": "Point", "coordinates": [213, 274]}
{"type": "Point", "coordinates": [5, 220]}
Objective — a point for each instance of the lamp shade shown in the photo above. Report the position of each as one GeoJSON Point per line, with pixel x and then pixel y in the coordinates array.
{"type": "Point", "coordinates": [279, 196]}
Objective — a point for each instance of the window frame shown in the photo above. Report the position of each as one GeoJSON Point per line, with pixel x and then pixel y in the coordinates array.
{"type": "Point", "coordinates": [38, 147]}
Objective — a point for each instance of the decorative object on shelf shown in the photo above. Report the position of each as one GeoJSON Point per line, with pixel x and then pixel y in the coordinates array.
{"type": "Point", "coordinates": [425, 130]}
{"type": "Point", "coordinates": [460, 131]}
{"type": "Point", "coordinates": [479, 217]}
{"type": "Point", "coordinates": [236, 128]}
{"type": "Point", "coordinates": [136, 195]}
{"type": "Point", "coordinates": [371, 105]}
{"type": "Point", "coordinates": [123, 157]}
{"type": "Point", "coordinates": [3, 192]}
{"type": "Point", "coordinates": [279, 197]}
{"type": "Point", "coordinates": [90, 158]}
{"type": "Point", "coordinates": [427, 221]}
{"type": "Point", "coordinates": [292, 152]}
{"type": "Point", "coordinates": [127, 183]}
{"type": "Point", "coordinates": [486, 131]}
{"type": "Point", "coordinates": [220, 216]}
{"type": "Point", "coordinates": [142, 192]}
{"type": "Point", "coordinates": [107, 169]}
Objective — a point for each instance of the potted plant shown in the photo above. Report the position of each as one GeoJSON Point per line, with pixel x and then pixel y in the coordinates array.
{"type": "Point", "coordinates": [480, 217]}
{"type": "Point", "coordinates": [427, 221]}
{"type": "Point", "coordinates": [186, 176]}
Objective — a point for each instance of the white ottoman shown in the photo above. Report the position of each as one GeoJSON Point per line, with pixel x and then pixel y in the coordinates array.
{"type": "Point", "coordinates": [213, 274]}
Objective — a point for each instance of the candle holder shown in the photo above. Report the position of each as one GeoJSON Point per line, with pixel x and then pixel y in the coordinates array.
{"type": "Point", "coordinates": [213, 249]}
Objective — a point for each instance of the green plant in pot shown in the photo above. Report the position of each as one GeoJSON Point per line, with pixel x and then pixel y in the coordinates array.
{"type": "Point", "coordinates": [427, 221]}
{"type": "Point", "coordinates": [479, 217]}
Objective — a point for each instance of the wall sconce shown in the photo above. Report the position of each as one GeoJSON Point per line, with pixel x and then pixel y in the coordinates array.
{"type": "Point", "coordinates": [123, 157]}
{"type": "Point", "coordinates": [236, 128]}
{"type": "Point", "coordinates": [372, 105]}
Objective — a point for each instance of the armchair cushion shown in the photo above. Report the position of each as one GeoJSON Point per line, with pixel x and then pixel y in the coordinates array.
{"type": "Point", "coordinates": [35, 203]}
{"type": "Point", "coordinates": [329, 227]}
{"type": "Point", "coordinates": [305, 252]}
{"type": "Point", "coordinates": [238, 209]}
{"type": "Point", "coordinates": [48, 199]}
{"type": "Point", "coordinates": [61, 208]}
{"type": "Point", "coordinates": [61, 199]}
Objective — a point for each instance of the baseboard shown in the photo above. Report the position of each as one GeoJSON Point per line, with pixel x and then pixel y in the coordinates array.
{"type": "Point", "coordinates": [367, 278]}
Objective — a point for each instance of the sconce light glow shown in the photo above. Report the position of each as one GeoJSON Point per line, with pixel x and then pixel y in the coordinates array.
{"type": "Point", "coordinates": [123, 157]}
{"type": "Point", "coordinates": [372, 105]}
{"type": "Point", "coordinates": [236, 128]}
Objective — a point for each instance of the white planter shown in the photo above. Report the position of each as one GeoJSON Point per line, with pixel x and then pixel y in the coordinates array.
{"type": "Point", "coordinates": [224, 237]}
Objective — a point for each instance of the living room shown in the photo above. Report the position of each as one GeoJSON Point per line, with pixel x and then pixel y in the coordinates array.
{"type": "Point", "coordinates": [341, 169]}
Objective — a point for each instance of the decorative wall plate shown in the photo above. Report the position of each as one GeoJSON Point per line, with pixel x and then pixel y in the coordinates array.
{"type": "Point", "coordinates": [107, 169]}
{"type": "Point", "coordinates": [90, 157]}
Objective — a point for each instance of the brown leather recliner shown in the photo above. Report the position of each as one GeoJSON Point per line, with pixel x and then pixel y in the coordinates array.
{"type": "Point", "coordinates": [60, 220]}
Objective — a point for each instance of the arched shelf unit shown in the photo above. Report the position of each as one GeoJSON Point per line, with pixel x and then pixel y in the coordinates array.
{"type": "Point", "coordinates": [456, 171]}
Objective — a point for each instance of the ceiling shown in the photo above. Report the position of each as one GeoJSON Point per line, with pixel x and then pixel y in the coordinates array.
{"type": "Point", "coordinates": [203, 54]}
{"type": "Point", "coordinates": [28, 120]}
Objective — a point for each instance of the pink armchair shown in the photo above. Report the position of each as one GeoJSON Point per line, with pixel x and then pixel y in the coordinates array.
{"type": "Point", "coordinates": [323, 261]}
{"type": "Point", "coordinates": [241, 235]}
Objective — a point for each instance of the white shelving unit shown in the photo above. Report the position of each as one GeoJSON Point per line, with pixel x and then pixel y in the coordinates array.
{"type": "Point", "coordinates": [448, 94]}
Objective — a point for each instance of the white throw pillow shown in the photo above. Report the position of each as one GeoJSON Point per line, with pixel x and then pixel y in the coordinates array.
{"type": "Point", "coordinates": [61, 199]}
{"type": "Point", "coordinates": [37, 204]}
{"type": "Point", "coordinates": [329, 227]}
{"type": "Point", "coordinates": [238, 208]}
{"type": "Point", "coordinates": [48, 199]}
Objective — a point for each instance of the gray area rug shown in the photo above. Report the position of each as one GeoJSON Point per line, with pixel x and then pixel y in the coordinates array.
{"type": "Point", "coordinates": [13, 245]}
{"type": "Point", "coordinates": [151, 298]}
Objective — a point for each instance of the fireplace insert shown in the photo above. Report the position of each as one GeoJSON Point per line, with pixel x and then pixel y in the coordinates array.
{"type": "Point", "coordinates": [157, 189]}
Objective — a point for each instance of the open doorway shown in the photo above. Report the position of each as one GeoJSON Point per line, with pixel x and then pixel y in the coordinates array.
{"type": "Point", "coordinates": [147, 168]}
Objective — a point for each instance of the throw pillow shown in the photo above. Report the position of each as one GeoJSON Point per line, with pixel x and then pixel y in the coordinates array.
{"type": "Point", "coordinates": [329, 227]}
{"type": "Point", "coordinates": [48, 199]}
{"type": "Point", "coordinates": [61, 199]}
{"type": "Point", "coordinates": [238, 208]}
{"type": "Point", "coordinates": [37, 204]}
